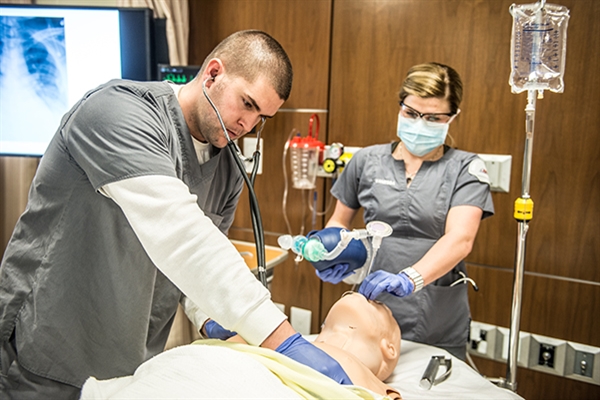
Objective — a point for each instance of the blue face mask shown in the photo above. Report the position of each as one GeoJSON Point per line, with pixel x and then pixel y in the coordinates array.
{"type": "Point", "coordinates": [419, 137]}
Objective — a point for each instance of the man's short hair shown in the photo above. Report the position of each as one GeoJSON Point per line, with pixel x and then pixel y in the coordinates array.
{"type": "Point", "coordinates": [253, 53]}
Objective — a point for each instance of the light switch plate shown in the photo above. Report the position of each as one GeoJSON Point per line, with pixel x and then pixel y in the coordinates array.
{"type": "Point", "coordinates": [300, 319]}
{"type": "Point", "coordinates": [248, 151]}
{"type": "Point", "coordinates": [498, 168]}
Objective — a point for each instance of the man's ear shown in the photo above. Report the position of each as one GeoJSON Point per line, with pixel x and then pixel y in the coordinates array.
{"type": "Point", "coordinates": [213, 69]}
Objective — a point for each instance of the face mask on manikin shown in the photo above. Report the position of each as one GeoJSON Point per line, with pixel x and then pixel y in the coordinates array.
{"type": "Point", "coordinates": [420, 138]}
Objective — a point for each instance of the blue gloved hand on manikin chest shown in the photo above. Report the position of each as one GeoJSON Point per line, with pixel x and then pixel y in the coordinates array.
{"type": "Point", "coordinates": [299, 349]}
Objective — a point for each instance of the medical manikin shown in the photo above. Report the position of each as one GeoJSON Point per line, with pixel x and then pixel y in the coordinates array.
{"type": "Point", "coordinates": [364, 338]}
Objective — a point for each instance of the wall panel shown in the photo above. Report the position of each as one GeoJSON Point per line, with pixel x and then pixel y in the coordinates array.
{"type": "Point", "coordinates": [16, 174]}
{"type": "Point", "coordinates": [302, 28]}
{"type": "Point", "coordinates": [374, 43]}
{"type": "Point", "coordinates": [349, 58]}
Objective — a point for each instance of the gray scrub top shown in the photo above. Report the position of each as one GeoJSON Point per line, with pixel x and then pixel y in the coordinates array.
{"type": "Point", "coordinates": [76, 287]}
{"type": "Point", "coordinates": [373, 179]}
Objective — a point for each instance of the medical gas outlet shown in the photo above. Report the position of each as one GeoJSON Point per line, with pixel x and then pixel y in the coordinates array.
{"type": "Point", "coordinates": [335, 159]}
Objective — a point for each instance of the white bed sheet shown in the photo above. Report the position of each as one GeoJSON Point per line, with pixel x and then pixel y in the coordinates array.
{"type": "Point", "coordinates": [463, 383]}
{"type": "Point", "coordinates": [193, 372]}
{"type": "Point", "coordinates": [204, 372]}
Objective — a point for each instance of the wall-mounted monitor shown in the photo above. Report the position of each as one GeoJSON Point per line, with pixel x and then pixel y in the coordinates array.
{"type": "Point", "coordinates": [51, 55]}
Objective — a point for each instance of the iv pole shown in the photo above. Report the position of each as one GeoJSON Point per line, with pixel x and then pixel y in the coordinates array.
{"type": "Point", "coordinates": [523, 207]}
{"type": "Point", "coordinates": [523, 213]}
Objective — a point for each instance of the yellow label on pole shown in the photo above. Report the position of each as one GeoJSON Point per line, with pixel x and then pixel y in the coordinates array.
{"type": "Point", "coordinates": [523, 209]}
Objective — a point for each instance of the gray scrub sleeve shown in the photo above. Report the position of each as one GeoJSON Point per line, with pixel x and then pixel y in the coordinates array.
{"type": "Point", "coordinates": [135, 141]}
{"type": "Point", "coordinates": [345, 188]}
{"type": "Point", "coordinates": [472, 187]}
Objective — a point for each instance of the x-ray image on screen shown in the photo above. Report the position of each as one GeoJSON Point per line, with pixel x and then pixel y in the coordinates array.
{"type": "Point", "coordinates": [33, 75]}
{"type": "Point", "coordinates": [51, 56]}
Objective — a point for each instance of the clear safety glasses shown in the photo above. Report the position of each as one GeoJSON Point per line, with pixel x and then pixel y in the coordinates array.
{"type": "Point", "coordinates": [438, 118]}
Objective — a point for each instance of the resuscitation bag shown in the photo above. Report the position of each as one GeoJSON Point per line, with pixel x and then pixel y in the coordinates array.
{"type": "Point", "coordinates": [355, 254]}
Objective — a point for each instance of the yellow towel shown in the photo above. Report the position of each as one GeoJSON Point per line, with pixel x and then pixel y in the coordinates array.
{"type": "Point", "coordinates": [305, 381]}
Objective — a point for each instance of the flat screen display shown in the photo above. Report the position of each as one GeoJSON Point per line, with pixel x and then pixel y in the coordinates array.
{"type": "Point", "coordinates": [51, 56]}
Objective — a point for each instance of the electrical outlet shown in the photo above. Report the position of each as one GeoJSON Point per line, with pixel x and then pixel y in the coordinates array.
{"type": "Point", "coordinates": [583, 363]}
{"type": "Point", "coordinates": [300, 319]}
{"type": "Point", "coordinates": [502, 346]}
{"type": "Point", "coordinates": [482, 340]}
{"type": "Point", "coordinates": [547, 354]}
{"type": "Point", "coordinates": [553, 356]}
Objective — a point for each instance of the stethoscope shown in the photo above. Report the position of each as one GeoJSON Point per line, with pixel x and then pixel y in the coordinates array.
{"type": "Point", "coordinates": [259, 236]}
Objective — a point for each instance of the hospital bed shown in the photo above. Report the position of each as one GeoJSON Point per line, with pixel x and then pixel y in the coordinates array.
{"type": "Point", "coordinates": [211, 372]}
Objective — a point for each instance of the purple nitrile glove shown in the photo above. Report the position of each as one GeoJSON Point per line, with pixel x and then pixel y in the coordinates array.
{"type": "Point", "coordinates": [215, 331]}
{"type": "Point", "coordinates": [382, 281]}
{"type": "Point", "coordinates": [299, 349]}
{"type": "Point", "coordinates": [334, 274]}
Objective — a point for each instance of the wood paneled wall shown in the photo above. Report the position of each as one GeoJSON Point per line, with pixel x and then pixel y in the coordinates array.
{"type": "Point", "coordinates": [350, 57]}
{"type": "Point", "coordinates": [16, 174]}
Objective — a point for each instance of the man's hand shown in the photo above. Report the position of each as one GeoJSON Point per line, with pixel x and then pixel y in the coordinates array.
{"type": "Point", "coordinates": [299, 349]}
{"type": "Point", "coordinates": [215, 331]}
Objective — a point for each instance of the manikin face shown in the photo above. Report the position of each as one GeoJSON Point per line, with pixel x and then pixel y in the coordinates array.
{"type": "Point", "coordinates": [370, 318]}
{"type": "Point", "coordinates": [241, 104]}
{"type": "Point", "coordinates": [366, 329]}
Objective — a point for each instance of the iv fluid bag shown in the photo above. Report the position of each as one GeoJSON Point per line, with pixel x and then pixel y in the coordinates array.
{"type": "Point", "coordinates": [538, 47]}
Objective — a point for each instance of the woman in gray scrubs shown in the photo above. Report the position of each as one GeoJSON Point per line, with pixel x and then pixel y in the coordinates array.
{"type": "Point", "coordinates": [434, 197]}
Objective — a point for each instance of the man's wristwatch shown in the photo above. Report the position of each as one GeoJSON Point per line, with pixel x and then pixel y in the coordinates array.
{"type": "Point", "coordinates": [415, 277]}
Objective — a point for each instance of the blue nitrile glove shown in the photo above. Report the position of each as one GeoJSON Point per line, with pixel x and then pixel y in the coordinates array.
{"type": "Point", "coordinates": [215, 331]}
{"type": "Point", "coordinates": [353, 257]}
{"type": "Point", "coordinates": [334, 274]}
{"type": "Point", "coordinates": [382, 281]}
{"type": "Point", "coordinates": [299, 349]}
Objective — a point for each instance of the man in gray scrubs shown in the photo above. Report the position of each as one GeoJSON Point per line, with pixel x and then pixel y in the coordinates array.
{"type": "Point", "coordinates": [127, 217]}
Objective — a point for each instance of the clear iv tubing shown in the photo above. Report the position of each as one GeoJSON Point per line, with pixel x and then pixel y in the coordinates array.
{"type": "Point", "coordinates": [259, 236]}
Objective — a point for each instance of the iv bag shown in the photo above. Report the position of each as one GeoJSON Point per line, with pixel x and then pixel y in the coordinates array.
{"type": "Point", "coordinates": [538, 47]}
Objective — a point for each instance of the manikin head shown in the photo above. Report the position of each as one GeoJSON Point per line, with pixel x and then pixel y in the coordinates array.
{"type": "Point", "coordinates": [365, 329]}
